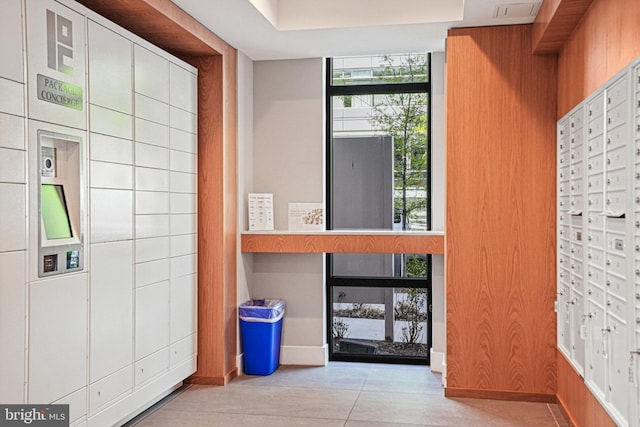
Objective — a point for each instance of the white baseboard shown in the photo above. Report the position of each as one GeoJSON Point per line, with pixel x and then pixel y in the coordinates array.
{"type": "Point", "coordinates": [239, 364]}
{"type": "Point", "coordinates": [304, 355]}
{"type": "Point", "coordinates": [437, 361]}
{"type": "Point", "coordinates": [296, 355]}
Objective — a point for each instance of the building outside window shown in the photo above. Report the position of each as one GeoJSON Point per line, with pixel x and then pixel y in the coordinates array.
{"type": "Point", "coordinates": [379, 179]}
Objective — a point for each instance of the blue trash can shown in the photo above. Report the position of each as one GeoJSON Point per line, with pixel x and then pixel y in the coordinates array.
{"type": "Point", "coordinates": [261, 331]}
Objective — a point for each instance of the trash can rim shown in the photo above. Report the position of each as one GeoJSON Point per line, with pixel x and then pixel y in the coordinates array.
{"type": "Point", "coordinates": [257, 310]}
{"type": "Point", "coordinates": [262, 319]}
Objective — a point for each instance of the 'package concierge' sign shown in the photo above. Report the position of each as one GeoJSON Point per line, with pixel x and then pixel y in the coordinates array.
{"type": "Point", "coordinates": [59, 92]}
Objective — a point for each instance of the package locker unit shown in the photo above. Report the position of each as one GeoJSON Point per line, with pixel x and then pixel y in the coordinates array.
{"type": "Point", "coordinates": [598, 243]}
{"type": "Point", "coordinates": [110, 328]}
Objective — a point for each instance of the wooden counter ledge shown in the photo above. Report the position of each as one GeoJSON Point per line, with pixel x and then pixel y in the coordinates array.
{"type": "Point", "coordinates": [343, 241]}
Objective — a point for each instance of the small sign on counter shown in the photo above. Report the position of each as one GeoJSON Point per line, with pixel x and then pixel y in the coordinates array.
{"type": "Point", "coordinates": [306, 216]}
{"type": "Point", "coordinates": [260, 211]}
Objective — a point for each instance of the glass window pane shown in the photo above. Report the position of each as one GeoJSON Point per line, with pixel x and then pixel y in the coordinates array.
{"type": "Point", "coordinates": [380, 321]}
{"type": "Point", "coordinates": [379, 162]}
{"type": "Point", "coordinates": [382, 69]}
{"type": "Point", "coordinates": [380, 265]}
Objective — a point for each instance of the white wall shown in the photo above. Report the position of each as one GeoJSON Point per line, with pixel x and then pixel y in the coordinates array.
{"type": "Point", "coordinates": [437, 207]}
{"type": "Point", "coordinates": [288, 155]}
{"type": "Point", "coordinates": [287, 151]}
{"type": "Point", "coordinates": [289, 132]}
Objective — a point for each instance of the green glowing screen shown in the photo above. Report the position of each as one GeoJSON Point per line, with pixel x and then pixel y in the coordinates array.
{"type": "Point", "coordinates": [54, 212]}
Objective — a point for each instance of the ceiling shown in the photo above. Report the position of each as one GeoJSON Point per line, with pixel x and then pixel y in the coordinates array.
{"type": "Point", "coordinates": [286, 29]}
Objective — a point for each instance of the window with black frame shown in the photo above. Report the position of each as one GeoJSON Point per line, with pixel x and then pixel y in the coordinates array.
{"type": "Point", "coordinates": [378, 179]}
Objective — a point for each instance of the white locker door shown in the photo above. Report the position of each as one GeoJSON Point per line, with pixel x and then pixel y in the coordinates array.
{"type": "Point", "coordinates": [183, 91]}
{"type": "Point", "coordinates": [111, 215]}
{"type": "Point", "coordinates": [111, 308]}
{"type": "Point", "coordinates": [10, 43]}
{"type": "Point", "coordinates": [578, 331]}
{"type": "Point", "coordinates": [110, 68]}
{"type": "Point", "coordinates": [151, 74]}
{"type": "Point", "coordinates": [184, 292]}
{"type": "Point", "coordinates": [597, 338]}
{"type": "Point", "coordinates": [57, 337]}
{"type": "Point", "coordinates": [13, 226]}
{"type": "Point", "coordinates": [152, 319]}
{"type": "Point", "coordinates": [110, 388]}
{"type": "Point", "coordinates": [564, 320]}
{"type": "Point", "coordinates": [619, 385]}
{"type": "Point", "coordinates": [12, 326]}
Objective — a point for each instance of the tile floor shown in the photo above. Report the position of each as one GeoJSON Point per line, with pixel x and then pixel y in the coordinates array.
{"type": "Point", "coordinates": [341, 395]}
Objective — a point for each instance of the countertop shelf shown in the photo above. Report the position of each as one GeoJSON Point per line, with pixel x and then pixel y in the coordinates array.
{"type": "Point", "coordinates": [343, 241]}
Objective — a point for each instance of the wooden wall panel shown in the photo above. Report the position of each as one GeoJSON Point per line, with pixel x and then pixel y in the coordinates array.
{"type": "Point", "coordinates": [500, 224]}
{"type": "Point", "coordinates": [586, 411]}
{"type": "Point", "coordinates": [161, 22]}
{"type": "Point", "coordinates": [555, 22]}
{"type": "Point", "coordinates": [607, 39]}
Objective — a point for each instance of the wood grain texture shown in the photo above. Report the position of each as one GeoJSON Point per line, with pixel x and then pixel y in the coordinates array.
{"type": "Point", "coordinates": [500, 213]}
{"type": "Point", "coordinates": [555, 23]}
{"type": "Point", "coordinates": [500, 395]}
{"type": "Point", "coordinates": [217, 228]}
{"type": "Point", "coordinates": [605, 41]}
{"type": "Point", "coordinates": [196, 379]}
{"type": "Point", "coordinates": [210, 243]}
{"type": "Point", "coordinates": [579, 405]}
{"type": "Point", "coordinates": [162, 23]}
{"type": "Point", "coordinates": [170, 28]}
{"type": "Point", "coordinates": [229, 227]}
{"type": "Point", "coordinates": [342, 243]}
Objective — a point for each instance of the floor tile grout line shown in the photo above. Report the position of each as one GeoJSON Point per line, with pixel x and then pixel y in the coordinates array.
{"type": "Point", "coordinates": [241, 413]}
{"type": "Point", "coordinates": [355, 402]}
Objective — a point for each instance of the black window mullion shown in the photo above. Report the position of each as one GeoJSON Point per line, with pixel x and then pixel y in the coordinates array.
{"type": "Point", "coordinates": [379, 282]}
{"type": "Point", "coordinates": [378, 89]}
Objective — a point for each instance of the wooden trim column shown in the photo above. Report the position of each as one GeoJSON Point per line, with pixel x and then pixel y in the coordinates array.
{"type": "Point", "coordinates": [217, 220]}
